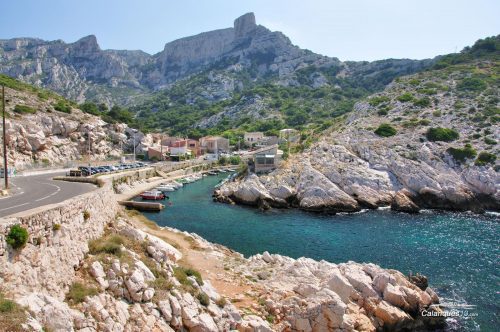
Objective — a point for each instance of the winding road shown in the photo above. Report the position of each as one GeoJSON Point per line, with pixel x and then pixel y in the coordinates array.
{"type": "Point", "coordinates": [38, 190]}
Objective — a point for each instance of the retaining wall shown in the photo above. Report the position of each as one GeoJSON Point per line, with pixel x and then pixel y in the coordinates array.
{"type": "Point", "coordinates": [48, 261]}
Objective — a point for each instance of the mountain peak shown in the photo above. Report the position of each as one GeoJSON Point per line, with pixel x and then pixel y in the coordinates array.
{"type": "Point", "coordinates": [244, 24]}
{"type": "Point", "coordinates": [88, 42]}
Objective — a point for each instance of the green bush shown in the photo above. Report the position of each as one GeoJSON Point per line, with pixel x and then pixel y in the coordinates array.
{"type": "Point", "coordinates": [490, 141]}
{"type": "Point", "coordinates": [406, 97]}
{"type": "Point", "coordinates": [221, 302]}
{"type": "Point", "coordinates": [234, 160]}
{"type": "Point", "coordinates": [471, 84]}
{"type": "Point", "coordinates": [385, 130]}
{"type": "Point", "coordinates": [61, 106]}
{"type": "Point", "coordinates": [203, 298]}
{"type": "Point", "coordinates": [56, 227]}
{"type": "Point", "coordinates": [375, 101]}
{"type": "Point", "coordinates": [467, 152]}
{"type": "Point", "coordinates": [485, 158]}
{"type": "Point", "coordinates": [23, 109]}
{"type": "Point", "coordinates": [86, 215]}
{"type": "Point", "coordinates": [442, 134]}
{"type": "Point", "coordinates": [77, 293]}
{"type": "Point", "coordinates": [437, 113]}
{"type": "Point", "coordinates": [17, 237]}
{"type": "Point", "coordinates": [424, 102]}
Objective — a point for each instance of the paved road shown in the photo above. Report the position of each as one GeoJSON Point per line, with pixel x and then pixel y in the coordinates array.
{"type": "Point", "coordinates": [37, 190]}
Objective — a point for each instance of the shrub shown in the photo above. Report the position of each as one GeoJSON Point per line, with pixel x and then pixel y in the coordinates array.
{"type": "Point", "coordinates": [436, 113]}
{"type": "Point", "coordinates": [110, 244]}
{"type": "Point", "coordinates": [406, 97]}
{"type": "Point", "coordinates": [382, 111]}
{"type": "Point", "coordinates": [442, 134]}
{"type": "Point", "coordinates": [56, 227]}
{"type": "Point", "coordinates": [490, 141]}
{"type": "Point", "coordinates": [485, 158]}
{"type": "Point", "coordinates": [471, 84]}
{"type": "Point", "coordinates": [234, 160]}
{"type": "Point", "coordinates": [17, 237]}
{"type": "Point", "coordinates": [181, 273]}
{"type": "Point", "coordinates": [203, 298]}
{"type": "Point", "coordinates": [467, 152]}
{"type": "Point", "coordinates": [270, 319]}
{"type": "Point", "coordinates": [23, 109]}
{"type": "Point", "coordinates": [221, 302]}
{"type": "Point", "coordinates": [86, 215]}
{"type": "Point", "coordinates": [424, 102]}
{"type": "Point", "coordinates": [375, 101]}
{"type": "Point", "coordinates": [77, 293]}
{"type": "Point", "coordinates": [61, 106]}
{"type": "Point", "coordinates": [385, 130]}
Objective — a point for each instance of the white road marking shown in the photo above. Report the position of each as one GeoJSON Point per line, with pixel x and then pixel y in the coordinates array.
{"type": "Point", "coordinates": [11, 207]}
{"type": "Point", "coordinates": [55, 192]}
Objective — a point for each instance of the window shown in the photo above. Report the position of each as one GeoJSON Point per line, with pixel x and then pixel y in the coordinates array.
{"type": "Point", "coordinates": [269, 161]}
{"type": "Point", "coordinates": [261, 160]}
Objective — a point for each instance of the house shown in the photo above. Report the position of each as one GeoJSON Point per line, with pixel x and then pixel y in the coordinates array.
{"type": "Point", "coordinates": [214, 144]}
{"type": "Point", "coordinates": [253, 137]}
{"type": "Point", "coordinates": [180, 153]}
{"type": "Point", "coordinates": [191, 144]}
{"type": "Point", "coordinates": [268, 140]}
{"type": "Point", "coordinates": [169, 140]}
{"type": "Point", "coordinates": [265, 159]}
{"type": "Point", "coordinates": [289, 135]}
{"type": "Point", "coordinates": [157, 152]}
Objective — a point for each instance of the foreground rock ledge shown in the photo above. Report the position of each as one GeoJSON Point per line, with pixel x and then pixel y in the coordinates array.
{"type": "Point", "coordinates": [293, 294]}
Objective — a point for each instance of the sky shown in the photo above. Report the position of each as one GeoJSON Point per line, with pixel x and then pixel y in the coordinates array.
{"type": "Point", "coordinates": [347, 29]}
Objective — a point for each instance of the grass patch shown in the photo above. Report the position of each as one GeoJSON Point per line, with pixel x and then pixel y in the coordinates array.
{"type": "Point", "coordinates": [406, 97]}
{"type": "Point", "coordinates": [110, 244]}
{"type": "Point", "coordinates": [23, 109]}
{"type": "Point", "coordinates": [12, 315]}
{"type": "Point", "coordinates": [203, 298]}
{"type": "Point", "coordinates": [78, 291]}
{"type": "Point", "coordinates": [182, 274]}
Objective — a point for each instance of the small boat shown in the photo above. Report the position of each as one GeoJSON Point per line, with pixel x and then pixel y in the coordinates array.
{"type": "Point", "coordinates": [222, 171]}
{"type": "Point", "coordinates": [175, 184]}
{"type": "Point", "coordinates": [211, 173]}
{"type": "Point", "coordinates": [152, 195]}
{"type": "Point", "coordinates": [165, 188]}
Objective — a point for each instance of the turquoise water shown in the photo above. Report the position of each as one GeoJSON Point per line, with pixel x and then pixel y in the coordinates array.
{"type": "Point", "coordinates": [458, 252]}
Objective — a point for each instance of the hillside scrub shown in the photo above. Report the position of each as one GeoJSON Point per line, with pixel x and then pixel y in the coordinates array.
{"type": "Point", "coordinates": [461, 154]}
{"type": "Point", "coordinates": [386, 130]}
{"type": "Point", "coordinates": [23, 109]}
{"type": "Point", "coordinates": [485, 158]}
{"type": "Point", "coordinates": [442, 134]}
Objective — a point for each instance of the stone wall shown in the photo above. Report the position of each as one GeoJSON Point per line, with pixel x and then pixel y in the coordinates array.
{"type": "Point", "coordinates": [48, 261]}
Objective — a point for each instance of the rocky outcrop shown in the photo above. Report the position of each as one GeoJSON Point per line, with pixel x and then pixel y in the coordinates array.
{"type": "Point", "coordinates": [49, 137]}
{"type": "Point", "coordinates": [352, 167]}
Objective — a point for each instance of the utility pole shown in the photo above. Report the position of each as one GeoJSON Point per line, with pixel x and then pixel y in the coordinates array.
{"type": "Point", "coordinates": [134, 131]}
{"type": "Point", "coordinates": [5, 168]}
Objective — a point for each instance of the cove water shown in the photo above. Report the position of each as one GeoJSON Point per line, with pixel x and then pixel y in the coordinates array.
{"type": "Point", "coordinates": [458, 252]}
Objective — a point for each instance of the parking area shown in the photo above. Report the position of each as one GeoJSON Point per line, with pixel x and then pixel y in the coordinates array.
{"type": "Point", "coordinates": [105, 169]}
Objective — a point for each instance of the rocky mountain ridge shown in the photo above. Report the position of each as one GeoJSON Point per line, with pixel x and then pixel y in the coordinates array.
{"type": "Point", "coordinates": [83, 71]}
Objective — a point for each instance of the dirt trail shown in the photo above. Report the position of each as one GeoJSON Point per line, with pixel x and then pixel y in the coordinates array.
{"type": "Point", "coordinates": [213, 265]}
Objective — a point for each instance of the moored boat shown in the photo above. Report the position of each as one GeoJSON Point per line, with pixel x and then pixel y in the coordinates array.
{"type": "Point", "coordinates": [152, 195]}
